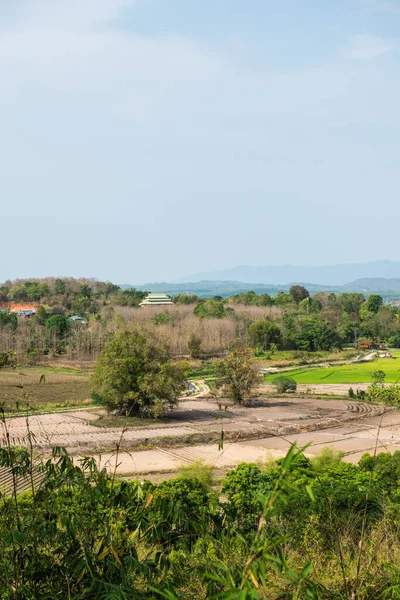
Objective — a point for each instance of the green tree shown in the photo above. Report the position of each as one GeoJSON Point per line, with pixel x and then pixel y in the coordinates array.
{"type": "Point", "coordinates": [265, 300]}
{"type": "Point", "coordinates": [378, 376]}
{"type": "Point", "coordinates": [135, 376]}
{"type": "Point", "coordinates": [185, 299]}
{"type": "Point", "coordinates": [316, 335]}
{"type": "Point", "coordinates": [394, 340]}
{"type": "Point", "coordinates": [194, 345]}
{"type": "Point", "coordinates": [282, 299]}
{"type": "Point", "coordinates": [17, 292]}
{"type": "Point", "coordinates": [386, 470]}
{"type": "Point", "coordinates": [57, 325]}
{"type": "Point", "coordinates": [85, 290]}
{"type": "Point", "coordinates": [262, 334]}
{"type": "Point", "coordinates": [8, 319]}
{"type": "Point", "coordinates": [59, 287]}
{"type": "Point", "coordinates": [82, 305]}
{"type": "Point", "coordinates": [41, 315]}
{"type": "Point", "coordinates": [350, 302]}
{"type": "Point", "coordinates": [289, 331]}
{"type": "Point", "coordinates": [237, 375]}
{"type": "Point", "coordinates": [374, 303]}
{"type": "Point", "coordinates": [298, 293]}
{"type": "Point", "coordinates": [129, 297]}
{"type": "Point", "coordinates": [111, 288]}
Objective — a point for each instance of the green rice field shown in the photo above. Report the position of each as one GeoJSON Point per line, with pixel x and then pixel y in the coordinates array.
{"type": "Point", "coordinates": [354, 373]}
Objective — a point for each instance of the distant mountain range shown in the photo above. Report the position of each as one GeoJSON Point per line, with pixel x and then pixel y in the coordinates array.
{"type": "Point", "coordinates": [376, 284]}
{"type": "Point", "coordinates": [330, 275]}
{"type": "Point", "coordinates": [388, 288]}
{"type": "Point", "coordinates": [381, 276]}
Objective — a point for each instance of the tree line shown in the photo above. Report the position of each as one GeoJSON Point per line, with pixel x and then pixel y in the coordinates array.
{"type": "Point", "coordinates": [193, 326]}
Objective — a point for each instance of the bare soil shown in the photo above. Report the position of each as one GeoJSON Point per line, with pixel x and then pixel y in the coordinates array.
{"type": "Point", "coordinates": [21, 385]}
{"type": "Point", "coordinates": [331, 389]}
{"type": "Point", "coordinates": [191, 432]}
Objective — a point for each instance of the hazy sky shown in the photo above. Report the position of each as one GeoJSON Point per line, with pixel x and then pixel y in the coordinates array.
{"type": "Point", "coordinates": [143, 140]}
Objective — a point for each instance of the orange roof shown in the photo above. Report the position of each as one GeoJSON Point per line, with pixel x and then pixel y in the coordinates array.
{"type": "Point", "coordinates": [14, 307]}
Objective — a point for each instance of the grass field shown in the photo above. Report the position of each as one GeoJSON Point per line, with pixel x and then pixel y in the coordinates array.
{"type": "Point", "coordinates": [354, 373]}
{"type": "Point", "coordinates": [60, 388]}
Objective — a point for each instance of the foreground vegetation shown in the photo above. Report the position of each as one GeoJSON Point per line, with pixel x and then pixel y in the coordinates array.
{"type": "Point", "coordinates": [297, 528]}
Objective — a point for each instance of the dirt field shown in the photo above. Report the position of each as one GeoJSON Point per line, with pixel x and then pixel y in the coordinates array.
{"type": "Point", "coordinates": [60, 387]}
{"type": "Point", "coordinates": [192, 432]}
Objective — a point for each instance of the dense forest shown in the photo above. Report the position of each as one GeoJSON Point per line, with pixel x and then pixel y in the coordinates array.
{"type": "Point", "coordinates": [289, 321]}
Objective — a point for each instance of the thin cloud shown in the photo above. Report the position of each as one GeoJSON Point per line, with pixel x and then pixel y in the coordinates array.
{"type": "Point", "coordinates": [380, 6]}
{"type": "Point", "coordinates": [366, 47]}
{"type": "Point", "coordinates": [391, 7]}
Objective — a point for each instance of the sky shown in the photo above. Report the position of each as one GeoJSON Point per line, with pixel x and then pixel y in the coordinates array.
{"type": "Point", "coordinates": [143, 140]}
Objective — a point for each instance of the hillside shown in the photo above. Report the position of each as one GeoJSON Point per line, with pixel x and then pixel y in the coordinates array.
{"type": "Point", "coordinates": [376, 284]}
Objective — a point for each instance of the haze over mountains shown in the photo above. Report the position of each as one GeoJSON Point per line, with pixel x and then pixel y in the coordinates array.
{"type": "Point", "coordinates": [329, 275]}
{"type": "Point", "coordinates": [381, 276]}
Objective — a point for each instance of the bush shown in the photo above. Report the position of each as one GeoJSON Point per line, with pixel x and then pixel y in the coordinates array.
{"type": "Point", "coordinates": [285, 384]}
{"type": "Point", "coordinates": [386, 395]}
{"type": "Point", "coordinates": [394, 340]}
{"type": "Point", "coordinates": [356, 395]}
{"type": "Point", "coordinates": [163, 318]}
{"type": "Point", "coordinates": [209, 309]}
{"type": "Point", "coordinates": [199, 471]}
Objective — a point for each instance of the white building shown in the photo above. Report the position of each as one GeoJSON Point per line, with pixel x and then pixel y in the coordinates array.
{"type": "Point", "coordinates": [156, 300]}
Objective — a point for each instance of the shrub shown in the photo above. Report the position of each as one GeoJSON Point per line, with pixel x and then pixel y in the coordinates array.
{"type": "Point", "coordinates": [200, 471]}
{"type": "Point", "coordinates": [163, 318]}
{"type": "Point", "coordinates": [387, 395]}
{"type": "Point", "coordinates": [209, 309]}
{"type": "Point", "coordinates": [394, 340]}
{"type": "Point", "coordinates": [285, 384]}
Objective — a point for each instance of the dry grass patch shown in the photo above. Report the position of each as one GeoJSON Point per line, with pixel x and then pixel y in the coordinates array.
{"type": "Point", "coordinates": [59, 388]}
